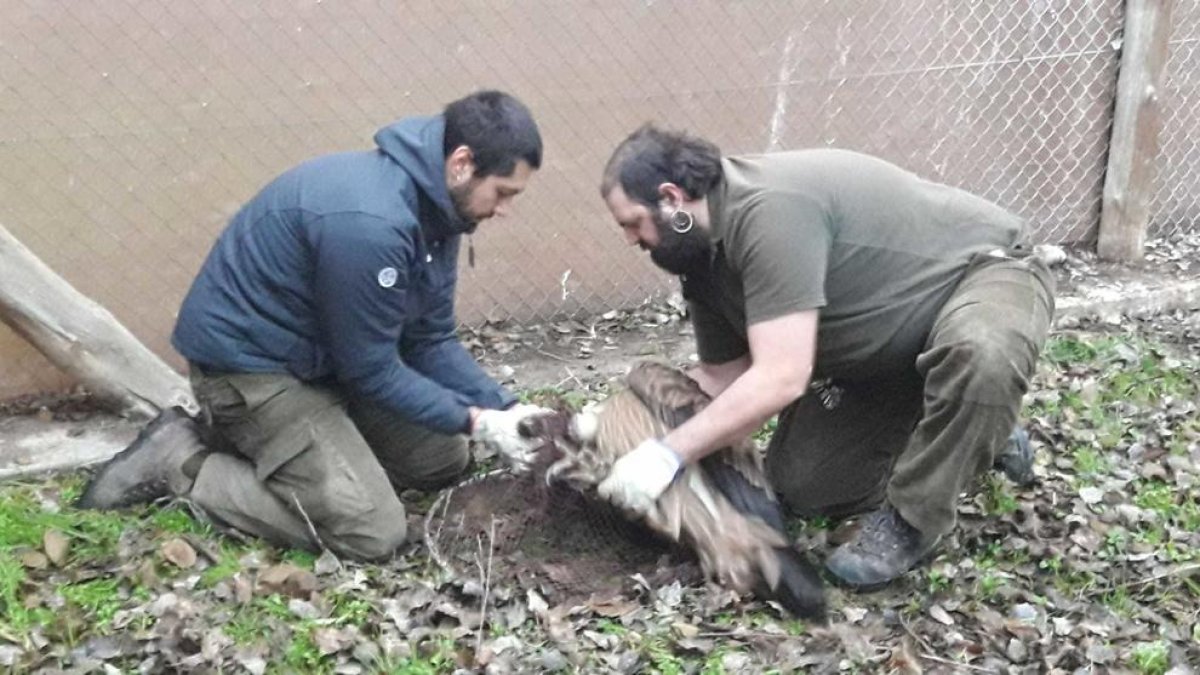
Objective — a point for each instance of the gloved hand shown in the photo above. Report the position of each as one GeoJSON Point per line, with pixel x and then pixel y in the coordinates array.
{"type": "Point", "coordinates": [639, 477]}
{"type": "Point", "coordinates": [497, 429]}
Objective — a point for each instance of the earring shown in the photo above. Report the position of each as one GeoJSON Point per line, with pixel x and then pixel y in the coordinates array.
{"type": "Point", "coordinates": [682, 221]}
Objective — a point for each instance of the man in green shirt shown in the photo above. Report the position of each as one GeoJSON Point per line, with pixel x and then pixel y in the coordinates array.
{"type": "Point", "coordinates": [892, 323]}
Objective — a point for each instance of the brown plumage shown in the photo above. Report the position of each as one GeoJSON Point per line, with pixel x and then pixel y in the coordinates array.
{"type": "Point", "coordinates": [722, 507]}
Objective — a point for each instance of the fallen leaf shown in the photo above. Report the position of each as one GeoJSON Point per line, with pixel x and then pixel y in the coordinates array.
{"type": "Point", "coordinates": [56, 545]}
{"type": "Point", "coordinates": [685, 630]}
{"type": "Point", "coordinates": [611, 607]}
{"type": "Point", "coordinates": [941, 615]}
{"type": "Point", "coordinates": [179, 553]}
{"type": "Point", "coordinates": [35, 560]}
{"type": "Point", "coordinates": [330, 640]}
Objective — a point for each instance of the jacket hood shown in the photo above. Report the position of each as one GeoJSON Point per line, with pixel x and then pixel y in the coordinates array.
{"type": "Point", "coordinates": [415, 143]}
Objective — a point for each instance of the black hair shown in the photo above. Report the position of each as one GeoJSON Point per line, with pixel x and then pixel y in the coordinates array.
{"type": "Point", "coordinates": [652, 156]}
{"type": "Point", "coordinates": [497, 128]}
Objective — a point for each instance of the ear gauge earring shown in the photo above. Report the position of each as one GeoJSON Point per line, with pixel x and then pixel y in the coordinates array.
{"type": "Point", "coordinates": [682, 221]}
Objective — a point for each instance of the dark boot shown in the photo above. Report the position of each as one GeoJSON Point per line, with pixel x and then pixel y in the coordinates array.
{"type": "Point", "coordinates": [884, 548]}
{"type": "Point", "coordinates": [152, 467]}
{"type": "Point", "coordinates": [1016, 459]}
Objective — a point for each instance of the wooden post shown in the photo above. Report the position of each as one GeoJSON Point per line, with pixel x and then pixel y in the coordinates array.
{"type": "Point", "coordinates": [82, 338]}
{"type": "Point", "coordinates": [1133, 148]}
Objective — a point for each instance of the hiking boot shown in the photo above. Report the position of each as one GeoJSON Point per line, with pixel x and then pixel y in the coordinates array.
{"type": "Point", "coordinates": [884, 548]}
{"type": "Point", "coordinates": [1016, 459]}
{"type": "Point", "coordinates": [152, 467]}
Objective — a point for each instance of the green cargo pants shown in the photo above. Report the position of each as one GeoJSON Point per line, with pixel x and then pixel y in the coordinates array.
{"type": "Point", "coordinates": [921, 438]}
{"type": "Point", "coordinates": [302, 461]}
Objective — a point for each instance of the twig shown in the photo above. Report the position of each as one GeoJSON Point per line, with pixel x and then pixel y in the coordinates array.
{"type": "Point", "coordinates": [487, 582]}
{"type": "Point", "coordinates": [957, 664]}
{"type": "Point", "coordinates": [1181, 570]}
{"type": "Point", "coordinates": [312, 529]}
{"type": "Point", "coordinates": [570, 376]}
{"type": "Point", "coordinates": [203, 548]}
{"type": "Point", "coordinates": [908, 629]}
{"type": "Point", "coordinates": [556, 357]}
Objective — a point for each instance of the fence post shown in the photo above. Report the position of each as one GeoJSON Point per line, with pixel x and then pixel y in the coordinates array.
{"type": "Point", "coordinates": [1133, 146]}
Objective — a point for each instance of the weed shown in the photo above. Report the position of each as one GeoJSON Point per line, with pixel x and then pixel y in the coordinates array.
{"type": "Point", "coordinates": [1151, 658]}
{"type": "Point", "coordinates": [99, 600]}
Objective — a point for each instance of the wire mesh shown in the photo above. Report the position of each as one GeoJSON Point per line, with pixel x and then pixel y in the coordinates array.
{"type": "Point", "coordinates": [1175, 209]}
{"type": "Point", "coordinates": [131, 130]}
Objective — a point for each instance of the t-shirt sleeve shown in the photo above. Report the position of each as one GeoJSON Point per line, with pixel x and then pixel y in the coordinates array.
{"type": "Point", "coordinates": [779, 246]}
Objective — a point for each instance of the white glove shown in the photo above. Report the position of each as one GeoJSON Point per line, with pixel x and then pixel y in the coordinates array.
{"type": "Point", "coordinates": [497, 429]}
{"type": "Point", "coordinates": [638, 478]}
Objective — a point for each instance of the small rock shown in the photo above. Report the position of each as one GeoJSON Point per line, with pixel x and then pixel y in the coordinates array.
{"type": "Point", "coordinates": [1024, 612]}
{"type": "Point", "coordinates": [854, 614]}
{"type": "Point", "coordinates": [553, 661]}
{"type": "Point", "coordinates": [9, 655]}
{"type": "Point", "coordinates": [303, 609]}
{"type": "Point", "coordinates": [1101, 653]}
{"type": "Point", "coordinates": [1016, 651]}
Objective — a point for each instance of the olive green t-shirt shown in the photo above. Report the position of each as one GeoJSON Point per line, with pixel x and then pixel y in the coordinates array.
{"type": "Point", "coordinates": [875, 248]}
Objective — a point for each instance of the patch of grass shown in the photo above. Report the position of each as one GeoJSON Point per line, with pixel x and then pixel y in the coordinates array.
{"type": "Point", "coordinates": [1119, 602]}
{"type": "Point", "coordinates": [349, 608]}
{"type": "Point", "coordinates": [998, 497]}
{"type": "Point", "coordinates": [553, 397]}
{"type": "Point", "coordinates": [302, 654]}
{"type": "Point", "coordinates": [15, 618]}
{"type": "Point", "coordinates": [299, 558]}
{"type": "Point", "coordinates": [98, 599]}
{"type": "Point", "coordinates": [1151, 658]}
{"type": "Point", "coordinates": [662, 660]}
{"type": "Point", "coordinates": [24, 520]}
{"type": "Point", "coordinates": [436, 657]}
{"type": "Point", "coordinates": [176, 520]}
{"type": "Point", "coordinates": [1088, 462]}
{"type": "Point", "coordinates": [936, 581]}
{"type": "Point", "coordinates": [228, 565]}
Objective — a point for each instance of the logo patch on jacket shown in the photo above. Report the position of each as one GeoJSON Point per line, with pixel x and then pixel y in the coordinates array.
{"type": "Point", "coordinates": [387, 277]}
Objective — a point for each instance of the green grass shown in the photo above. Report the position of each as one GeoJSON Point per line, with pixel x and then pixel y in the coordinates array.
{"type": "Point", "coordinates": [1151, 658]}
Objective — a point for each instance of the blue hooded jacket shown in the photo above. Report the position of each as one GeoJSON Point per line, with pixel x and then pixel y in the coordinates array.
{"type": "Point", "coordinates": [344, 269]}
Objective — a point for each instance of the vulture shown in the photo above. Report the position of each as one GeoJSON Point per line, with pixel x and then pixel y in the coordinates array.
{"type": "Point", "coordinates": [722, 507]}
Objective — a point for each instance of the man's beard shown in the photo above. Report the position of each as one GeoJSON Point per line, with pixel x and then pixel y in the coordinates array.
{"type": "Point", "coordinates": [460, 196]}
{"type": "Point", "coordinates": [680, 253]}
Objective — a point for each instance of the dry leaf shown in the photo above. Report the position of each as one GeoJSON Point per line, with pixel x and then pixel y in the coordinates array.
{"type": "Point", "coordinates": [179, 553]}
{"type": "Point", "coordinates": [35, 560]}
{"type": "Point", "coordinates": [941, 615]}
{"type": "Point", "coordinates": [56, 545]}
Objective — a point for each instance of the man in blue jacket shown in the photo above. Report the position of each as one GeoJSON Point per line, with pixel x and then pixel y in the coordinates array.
{"type": "Point", "coordinates": [320, 334]}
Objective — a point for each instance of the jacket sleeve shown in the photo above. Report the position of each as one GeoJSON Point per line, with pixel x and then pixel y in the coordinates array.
{"type": "Point", "coordinates": [431, 346]}
{"type": "Point", "coordinates": [363, 266]}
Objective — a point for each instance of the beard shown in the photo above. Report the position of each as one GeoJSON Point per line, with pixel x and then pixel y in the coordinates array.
{"type": "Point", "coordinates": [460, 198]}
{"type": "Point", "coordinates": [679, 254]}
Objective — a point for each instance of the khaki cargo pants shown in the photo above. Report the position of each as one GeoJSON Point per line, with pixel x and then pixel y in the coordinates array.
{"type": "Point", "coordinates": [922, 437]}
{"type": "Point", "coordinates": [304, 462]}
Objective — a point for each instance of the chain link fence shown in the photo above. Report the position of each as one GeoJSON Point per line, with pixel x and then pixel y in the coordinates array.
{"type": "Point", "coordinates": [1175, 209]}
{"type": "Point", "coordinates": [130, 130]}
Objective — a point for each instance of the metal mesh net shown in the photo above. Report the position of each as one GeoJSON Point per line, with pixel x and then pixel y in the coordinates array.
{"type": "Point", "coordinates": [1175, 209]}
{"type": "Point", "coordinates": [131, 130]}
